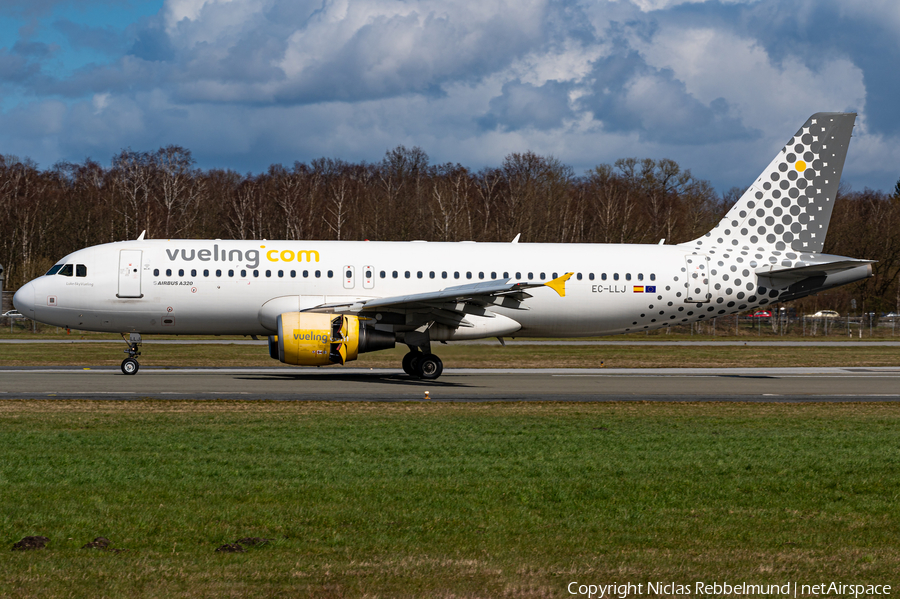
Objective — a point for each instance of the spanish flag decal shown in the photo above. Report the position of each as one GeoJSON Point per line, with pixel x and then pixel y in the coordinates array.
{"type": "Point", "coordinates": [639, 289]}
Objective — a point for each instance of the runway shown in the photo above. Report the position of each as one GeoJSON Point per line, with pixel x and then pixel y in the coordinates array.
{"type": "Point", "coordinates": [876, 384]}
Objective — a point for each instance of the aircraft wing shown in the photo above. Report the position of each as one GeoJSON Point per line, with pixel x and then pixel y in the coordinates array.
{"type": "Point", "coordinates": [452, 304]}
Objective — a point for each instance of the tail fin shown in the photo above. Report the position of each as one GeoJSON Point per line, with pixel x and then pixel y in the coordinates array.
{"type": "Point", "coordinates": [789, 206]}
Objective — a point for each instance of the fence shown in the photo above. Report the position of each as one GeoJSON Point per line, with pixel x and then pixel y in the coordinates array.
{"type": "Point", "coordinates": [783, 324]}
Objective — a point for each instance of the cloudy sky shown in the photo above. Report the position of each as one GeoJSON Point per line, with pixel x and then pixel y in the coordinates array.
{"type": "Point", "coordinates": [717, 86]}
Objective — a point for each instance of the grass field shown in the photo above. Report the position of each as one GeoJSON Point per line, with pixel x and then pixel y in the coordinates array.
{"type": "Point", "coordinates": [468, 356]}
{"type": "Point", "coordinates": [443, 500]}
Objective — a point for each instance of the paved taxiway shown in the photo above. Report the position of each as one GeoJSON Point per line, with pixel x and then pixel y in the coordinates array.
{"type": "Point", "coordinates": [355, 384]}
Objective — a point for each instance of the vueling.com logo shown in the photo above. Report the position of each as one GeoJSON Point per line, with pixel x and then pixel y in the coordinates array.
{"type": "Point", "coordinates": [226, 254]}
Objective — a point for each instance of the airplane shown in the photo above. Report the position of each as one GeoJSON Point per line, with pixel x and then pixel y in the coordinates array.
{"type": "Point", "coordinates": [325, 302]}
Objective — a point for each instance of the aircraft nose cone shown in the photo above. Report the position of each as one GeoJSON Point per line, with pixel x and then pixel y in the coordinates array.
{"type": "Point", "coordinates": [23, 300]}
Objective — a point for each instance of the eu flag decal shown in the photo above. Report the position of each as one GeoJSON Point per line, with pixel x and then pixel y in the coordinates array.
{"type": "Point", "coordinates": [650, 289]}
{"type": "Point", "coordinates": [639, 289]}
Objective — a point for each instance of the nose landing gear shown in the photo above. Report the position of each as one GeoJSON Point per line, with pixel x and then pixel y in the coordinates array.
{"type": "Point", "coordinates": [130, 365]}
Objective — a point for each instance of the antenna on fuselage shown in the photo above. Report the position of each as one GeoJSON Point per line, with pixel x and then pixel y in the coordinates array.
{"type": "Point", "coordinates": [141, 236]}
{"type": "Point", "coordinates": [516, 239]}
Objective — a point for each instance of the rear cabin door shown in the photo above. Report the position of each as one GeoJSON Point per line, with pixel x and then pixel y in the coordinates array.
{"type": "Point", "coordinates": [697, 278]}
{"type": "Point", "coordinates": [129, 273]}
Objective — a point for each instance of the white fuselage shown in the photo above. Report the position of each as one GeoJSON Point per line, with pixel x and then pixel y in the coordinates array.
{"type": "Point", "coordinates": [218, 287]}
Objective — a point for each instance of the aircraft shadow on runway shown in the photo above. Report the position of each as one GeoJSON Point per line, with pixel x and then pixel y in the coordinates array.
{"type": "Point", "coordinates": [384, 379]}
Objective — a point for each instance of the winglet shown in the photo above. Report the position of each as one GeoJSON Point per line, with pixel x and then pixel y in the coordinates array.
{"type": "Point", "coordinates": [559, 284]}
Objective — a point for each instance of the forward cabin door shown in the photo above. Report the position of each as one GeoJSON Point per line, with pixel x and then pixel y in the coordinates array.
{"type": "Point", "coordinates": [129, 273]}
{"type": "Point", "coordinates": [697, 268]}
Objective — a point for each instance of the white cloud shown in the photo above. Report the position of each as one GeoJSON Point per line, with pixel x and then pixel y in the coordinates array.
{"type": "Point", "coordinates": [244, 83]}
{"type": "Point", "coordinates": [768, 96]}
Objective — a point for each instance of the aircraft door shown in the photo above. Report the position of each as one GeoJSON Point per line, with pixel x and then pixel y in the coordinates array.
{"type": "Point", "coordinates": [349, 277]}
{"type": "Point", "coordinates": [368, 277]}
{"type": "Point", "coordinates": [130, 273]}
{"type": "Point", "coordinates": [697, 284]}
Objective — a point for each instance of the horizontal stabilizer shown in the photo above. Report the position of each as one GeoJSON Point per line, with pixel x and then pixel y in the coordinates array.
{"type": "Point", "coordinates": [782, 277]}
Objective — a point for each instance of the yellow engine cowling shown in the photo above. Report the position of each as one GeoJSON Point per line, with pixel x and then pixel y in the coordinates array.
{"type": "Point", "coordinates": [308, 339]}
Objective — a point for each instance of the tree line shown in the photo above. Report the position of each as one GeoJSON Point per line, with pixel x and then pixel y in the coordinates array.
{"type": "Point", "coordinates": [45, 214]}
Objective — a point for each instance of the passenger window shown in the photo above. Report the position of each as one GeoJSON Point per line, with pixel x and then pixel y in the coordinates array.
{"type": "Point", "coordinates": [603, 277]}
{"type": "Point", "coordinates": [652, 277]}
{"type": "Point", "coordinates": [627, 276]}
{"type": "Point", "coordinates": [578, 276]}
{"type": "Point", "coordinates": [230, 273]}
{"type": "Point", "coordinates": [493, 275]}
{"type": "Point", "coordinates": [456, 275]}
{"type": "Point", "coordinates": [180, 272]}
{"type": "Point", "coordinates": [383, 275]}
{"type": "Point", "coordinates": [80, 270]}
{"type": "Point", "coordinates": [268, 273]}
{"type": "Point", "coordinates": [419, 274]}
{"type": "Point", "coordinates": [640, 276]}
{"type": "Point", "coordinates": [591, 276]}
{"type": "Point", "coordinates": [168, 272]}
{"type": "Point", "coordinates": [406, 274]}
{"type": "Point", "coordinates": [256, 274]}
{"type": "Point", "coordinates": [280, 274]}
{"type": "Point", "coordinates": [155, 272]}
{"type": "Point", "coordinates": [293, 274]}
{"type": "Point", "coordinates": [481, 275]}
{"type": "Point", "coordinates": [318, 273]}
{"type": "Point", "coordinates": [444, 275]}
{"type": "Point", "coordinates": [330, 274]}
{"type": "Point", "coordinates": [54, 270]}
{"type": "Point", "coordinates": [431, 275]}
{"type": "Point", "coordinates": [243, 274]}
{"type": "Point", "coordinates": [615, 276]}
{"type": "Point", "coordinates": [205, 272]}
{"type": "Point", "coordinates": [368, 274]}
{"type": "Point", "coordinates": [349, 274]}
{"type": "Point", "coordinates": [505, 275]}
{"type": "Point", "coordinates": [518, 275]}
{"type": "Point", "coordinates": [542, 276]}
{"type": "Point", "coordinates": [468, 275]}
{"type": "Point", "coordinates": [530, 276]}
{"type": "Point", "coordinates": [305, 274]}
{"type": "Point", "coordinates": [218, 272]}
{"type": "Point", "coordinates": [554, 275]}
{"type": "Point", "coordinates": [395, 274]}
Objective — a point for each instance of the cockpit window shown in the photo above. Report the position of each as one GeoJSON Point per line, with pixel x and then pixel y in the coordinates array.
{"type": "Point", "coordinates": [80, 270]}
{"type": "Point", "coordinates": [54, 270]}
{"type": "Point", "coordinates": [67, 270]}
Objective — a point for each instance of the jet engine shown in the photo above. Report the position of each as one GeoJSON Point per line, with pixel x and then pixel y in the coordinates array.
{"type": "Point", "coordinates": [310, 339]}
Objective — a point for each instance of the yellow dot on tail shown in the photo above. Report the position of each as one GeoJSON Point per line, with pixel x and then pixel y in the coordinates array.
{"type": "Point", "coordinates": [800, 166]}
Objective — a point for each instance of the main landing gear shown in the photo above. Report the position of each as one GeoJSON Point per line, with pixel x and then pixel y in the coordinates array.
{"type": "Point", "coordinates": [130, 365]}
{"type": "Point", "coordinates": [422, 366]}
